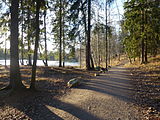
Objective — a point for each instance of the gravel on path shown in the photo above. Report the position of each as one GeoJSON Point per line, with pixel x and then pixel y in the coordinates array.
{"type": "Point", "coordinates": [105, 97]}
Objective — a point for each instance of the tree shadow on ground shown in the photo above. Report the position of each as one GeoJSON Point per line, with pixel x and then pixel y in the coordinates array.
{"type": "Point", "coordinates": [114, 83]}
{"type": "Point", "coordinates": [119, 82]}
{"type": "Point", "coordinates": [148, 87]}
{"type": "Point", "coordinates": [41, 105]}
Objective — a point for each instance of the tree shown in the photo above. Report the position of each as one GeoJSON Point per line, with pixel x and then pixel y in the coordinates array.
{"type": "Point", "coordinates": [29, 34]}
{"type": "Point", "coordinates": [33, 78]}
{"type": "Point", "coordinates": [60, 36]}
{"type": "Point", "coordinates": [15, 77]}
{"type": "Point", "coordinates": [88, 49]}
{"type": "Point", "coordinates": [142, 28]}
{"type": "Point", "coordinates": [106, 36]}
{"type": "Point", "coordinates": [60, 28]}
{"type": "Point", "coordinates": [22, 28]}
{"type": "Point", "coordinates": [45, 39]}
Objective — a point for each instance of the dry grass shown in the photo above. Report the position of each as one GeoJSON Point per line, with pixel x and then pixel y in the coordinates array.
{"type": "Point", "coordinates": [46, 76]}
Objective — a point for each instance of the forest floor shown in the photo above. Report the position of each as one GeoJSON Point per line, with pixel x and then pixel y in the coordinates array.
{"type": "Point", "coordinates": [123, 93]}
{"type": "Point", "coordinates": [146, 79]}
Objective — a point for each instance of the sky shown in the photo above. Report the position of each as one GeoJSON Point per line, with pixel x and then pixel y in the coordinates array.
{"type": "Point", "coordinates": [116, 14]}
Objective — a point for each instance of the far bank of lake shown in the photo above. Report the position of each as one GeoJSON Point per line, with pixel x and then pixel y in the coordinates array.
{"type": "Point", "coordinates": [40, 63]}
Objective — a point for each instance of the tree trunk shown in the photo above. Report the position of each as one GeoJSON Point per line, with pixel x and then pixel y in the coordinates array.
{"type": "Point", "coordinates": [142, 37]}
{"type": "Point", "coordinates": [36, 46]}
{"type": "Point", "coordinates": [88, 37]}
{"type": "Point", "coordinates": [80, 52]}
{"type": "Point", "coordinates": [109, 43]}
{"type": "Point", "coordinates": [98, 46]}
{"type": "Point", "coordinates": [60, 37]}
{"type": "Point", "coordinates": [22, 45]}
{"type": "Point", "coordinates": [29, 37]}
{"type": "Point", "coordinates": [5, 52]}
{"type": "Point", "coordinates": [80, 55]}
{"type": "Point", "coordinates": [63, 37]}
{"type": "Point", "coordinates": [92, 63]}
{"type": "Point", "coordinates": [15, 77]}
{"type": "Point", "coordinates": [106, 38]}
{"type": "Point", "coordinates": [45, 39]}
{"type": "Point", "coordinates": [146, 37]}
{"type": "Point", "coordinates": [85, 28]}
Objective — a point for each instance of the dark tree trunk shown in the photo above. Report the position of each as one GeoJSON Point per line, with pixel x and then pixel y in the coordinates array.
{"type": "Point", "coordinates": [88, 37]}
{"type": "Point", "coordinates": [146, 36]}
{"type": "Point", "coordinates": [33, 79]}
{"type": "Point", "coordinates": [85, 28]}
{"type": "Point", "coordinates": [22, 44]}
{"type": "Point", "coordinates": [109, 44]}
{"type": "Point", "coordinates": [92, 63]}
{"type": "Point", "coordinates": [63, 37]}
{"type": "Point", "coordinates": [99, 53]}
{"type": "Point", "coordinates": [142, 50]}
{"type": "Point", "coordinates": [98, 44]}
{"type": "Point", "coordinates": [60, 37]}
{"type": "Point", "coordinates": [106, 38]}
{"type": "Point", "coordinates": [80, 52]}
{"type": "Point", "coordinates": [80, 55]}
{"type": "Point", "coordinates": [63, 49]}
{"type": "Point", "coordinates": [29, 37]}
{"type": "Point", "coordinates": [5, 52]}
{"type": "Point", "coordinates": [15, 77]}
{"type": "Point", "coordinates": [142, 37]}
{"type": "Point", "coordinates": [45, 40]}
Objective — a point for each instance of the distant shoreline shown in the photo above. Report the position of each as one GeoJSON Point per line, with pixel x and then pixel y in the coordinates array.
{"type": "Point", "coordinates": [40, 63]}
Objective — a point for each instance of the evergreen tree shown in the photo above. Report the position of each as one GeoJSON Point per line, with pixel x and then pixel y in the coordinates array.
{"type": "Point", "coordinates": [15, 77]}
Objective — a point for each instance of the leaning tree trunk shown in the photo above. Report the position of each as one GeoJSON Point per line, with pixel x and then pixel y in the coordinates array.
{"type": "Point", "coordinates": [33, 79]}
{"type": "Point", "coordinates": [15, 77]}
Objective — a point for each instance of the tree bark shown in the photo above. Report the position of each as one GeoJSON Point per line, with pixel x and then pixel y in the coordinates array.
{"type": "Point", "coordinates": [106, 38]}
{"type": "Point", "coordinates": [29, 37]}
{"type": "Point", "coordinates": [146, 36]}
{"type": "Point", "coordinates": [60, 37]}
{"type": "Point", "coordinates": [5, 52]}
{"type": "Point", "coordinates": [142, 38]}
{"type": "Point", "coordinates": [63, 36]}
{"type": "Point", "coordinates": [88, 37]}
{"type": "Point", "coordinates": [33, 79]}
{"type": "Point", "coordinates": [85, 28]}
{"type": "Point", "coordinates": [92, 63]}
{"type": "Point", "coordinates": [22, 45]}
{"type": "Point", "coordinates": [15, 77]}
{"type": "Point", "coordinates": [45, 40]}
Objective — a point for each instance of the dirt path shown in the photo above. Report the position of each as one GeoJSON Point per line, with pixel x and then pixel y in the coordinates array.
{"type": "Point", "coordinates": [106, 97]}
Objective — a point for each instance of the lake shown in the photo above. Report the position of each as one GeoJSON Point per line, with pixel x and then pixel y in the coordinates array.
{"type": "Point", "coordinates": [40, 63]}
